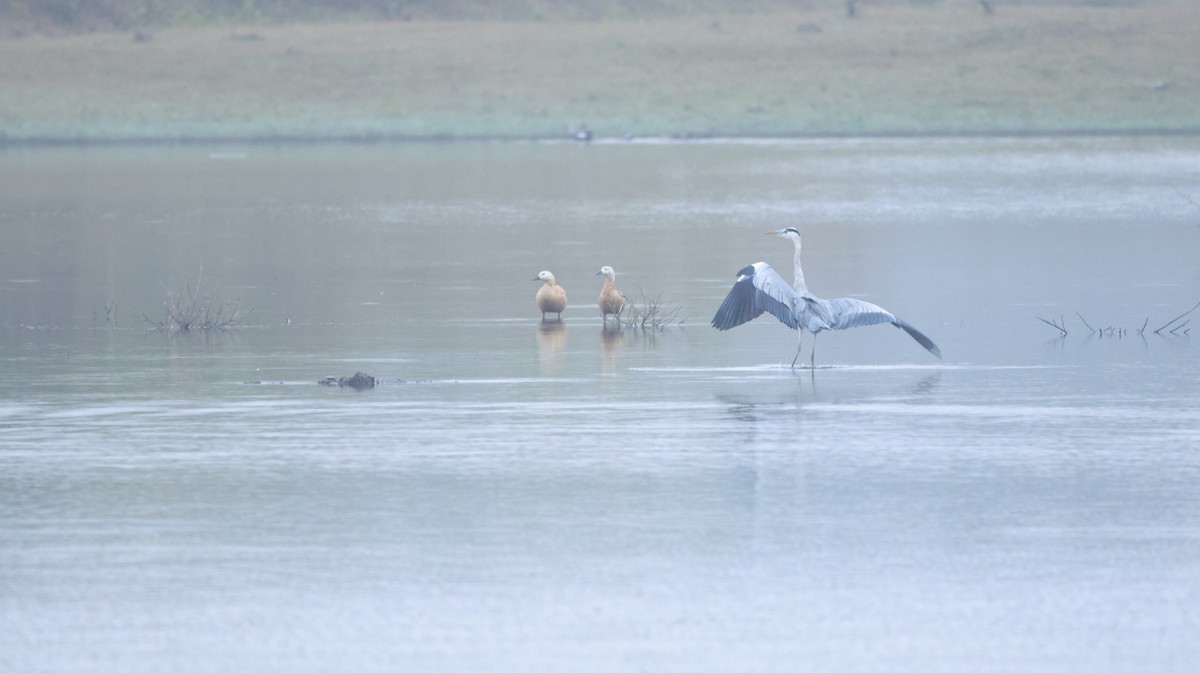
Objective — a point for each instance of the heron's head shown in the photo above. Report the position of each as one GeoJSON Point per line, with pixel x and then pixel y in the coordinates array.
{"type": "Point", "coordinates": [607, 272]}
{"type": "Point", "coordinates": [786, 232]}
{"type": "Point", "coordinates": [546, 277]}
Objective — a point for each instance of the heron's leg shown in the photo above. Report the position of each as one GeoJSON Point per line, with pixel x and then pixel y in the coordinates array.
{"type": "Point", "coordinates": [812, 362]}
{"type": "Point", "coordinates": [799, 343]}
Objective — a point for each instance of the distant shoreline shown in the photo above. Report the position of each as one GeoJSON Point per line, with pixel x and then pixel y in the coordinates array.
{"type": "Point", "coordinates": [905, 70]}
{"type": "Point", "coordinates": [34, 143]}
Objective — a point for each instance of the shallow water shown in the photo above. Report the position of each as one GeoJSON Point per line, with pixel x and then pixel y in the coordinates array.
{"type": "Point", "coordinates": [517, 496]}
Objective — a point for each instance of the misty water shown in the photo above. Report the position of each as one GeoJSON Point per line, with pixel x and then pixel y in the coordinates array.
{"type": "Point", "coordinates": [519, 496]}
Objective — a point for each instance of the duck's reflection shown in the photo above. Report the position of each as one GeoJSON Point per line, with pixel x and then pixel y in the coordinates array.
{"type": "Point", "coordinates": [612, 339]}
{"type": "Point", "coordinates": [551, 339]}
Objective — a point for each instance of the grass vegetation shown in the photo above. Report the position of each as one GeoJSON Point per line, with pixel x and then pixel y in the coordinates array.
{"type": "Point", "coordinates": [365, 70]}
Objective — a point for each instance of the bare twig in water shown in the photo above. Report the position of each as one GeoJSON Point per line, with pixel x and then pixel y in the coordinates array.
{"type": "Point", "coordinates": [110, 315]}
{"type": "Point", "coordinates": [1053, 324]}
{"type": "Point", "coordinates": [1177, 325]}
{"type": "Point", "coordinates": [186, 309]}
{"type": "Point", "coordinates": [1177, 319]}
{"type": "Point", "coordinates": [651, 314]}
{"type": "Point", "coordinates": [1185, 197]}
{"type": "Point", "coordinates": [1085, 323]}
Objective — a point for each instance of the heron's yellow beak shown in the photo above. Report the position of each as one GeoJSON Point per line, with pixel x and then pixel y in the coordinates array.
{"type": "Point", "coordinates": [772, 233]}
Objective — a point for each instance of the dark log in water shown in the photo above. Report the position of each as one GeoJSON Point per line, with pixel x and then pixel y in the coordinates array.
{"type": "Point", "coordinates": [359, 381]}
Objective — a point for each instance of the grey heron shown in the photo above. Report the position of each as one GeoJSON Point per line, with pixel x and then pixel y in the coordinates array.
{"type": "Point", "coordinates": [611, 301]}
{"type": "Point", "coordinates": [759, 288]}
{"type": "Point", "coordinates": [551, 297]}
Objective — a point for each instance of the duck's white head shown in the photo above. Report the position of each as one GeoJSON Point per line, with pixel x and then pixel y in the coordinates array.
{"type": "Point", "coordinates": [607, 272]}
{"type": "Point", "coordinates": [546, 277]}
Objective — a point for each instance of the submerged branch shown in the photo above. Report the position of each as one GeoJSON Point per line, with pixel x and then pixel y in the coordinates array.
{"type": "Point", "coordinates": [187, 309]}
{"type": "Point", "coordinates": [1085, 322]}
{"type": "Point", "coordinates": [1176, 326]}
{"type": "Point", "coordinates": [110, 315]}
{"type": "Point", "coordinates": [651, 314]}
{"type": "Point", "coordinates": [1185, 197]}
{"type": "Point", "coordinates": [1177, 318]}
{"type": "Point", "coordinates": [1053, 324]}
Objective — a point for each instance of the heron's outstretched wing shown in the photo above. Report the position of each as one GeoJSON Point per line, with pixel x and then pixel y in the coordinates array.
{"type": "Point", "coordinates": [845, 313]}
{"type": "Point", "coordinates": [758, 288]}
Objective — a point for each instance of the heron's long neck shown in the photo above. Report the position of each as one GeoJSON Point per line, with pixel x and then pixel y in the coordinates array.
{"type": "Point", "coordinates": [797, 271]}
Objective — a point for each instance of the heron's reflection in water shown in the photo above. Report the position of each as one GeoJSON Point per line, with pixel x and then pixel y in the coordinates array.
{"type": "Point", "coordinates": [551, 339]}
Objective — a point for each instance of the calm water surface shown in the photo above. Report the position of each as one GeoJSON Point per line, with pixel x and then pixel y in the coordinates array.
{"type": "Point", "coordinates": [523, 497]}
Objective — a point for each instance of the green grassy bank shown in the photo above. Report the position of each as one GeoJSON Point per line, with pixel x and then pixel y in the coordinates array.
{"type": "Point", "coordinates": [892, 69]}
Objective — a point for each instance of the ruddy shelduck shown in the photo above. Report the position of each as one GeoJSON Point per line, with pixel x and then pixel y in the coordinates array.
{"type": "Point", "coordinates": [551, 297]}
{"type": "Point", "coordinates": [611, 301]}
